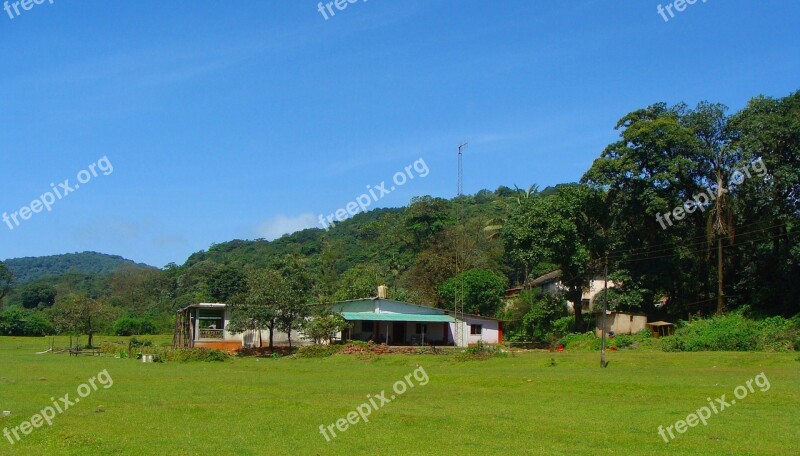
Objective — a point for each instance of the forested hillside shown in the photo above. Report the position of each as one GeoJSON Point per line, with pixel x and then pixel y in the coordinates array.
{"type": "Point", "coordinates": [93, 263]}
{"type": "Point", "coordinates": [694, 211]}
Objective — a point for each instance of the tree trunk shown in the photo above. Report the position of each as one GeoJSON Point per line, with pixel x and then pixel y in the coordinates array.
{"type": "Point", "coordinates": [91, 336]}
{"type": "Point", "coordinates": [271, 331]}
{"type": "Point", "coordinates": [720, 297]}
{"type": "Point", "coordinates": [289, 335]}
{"type": "Point", "coordinates": [578, 318]}
{"type": "Point", "coordinates": [574, 296]}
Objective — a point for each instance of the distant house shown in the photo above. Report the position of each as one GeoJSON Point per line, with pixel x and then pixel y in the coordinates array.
{"type": "Point", "coordinates": [401, 323]}
{"type": "Point", "coordinates": [377, 319]}
{"type": "Point", "coordinates": [551, 283]}
{"type": "Point", "coordinates": [205, 325]}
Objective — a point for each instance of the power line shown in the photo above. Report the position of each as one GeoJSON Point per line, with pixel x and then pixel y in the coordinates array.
{"type": "Point", "coordinates": [695, 237]}
{"type": "Point", "coordinates": [673, 245]}
{"type": "Point", "coordinates": [699, 251]}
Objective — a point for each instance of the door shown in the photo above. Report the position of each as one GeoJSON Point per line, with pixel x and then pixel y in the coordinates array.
{"type": "Point", "coordinates": [399, 333]}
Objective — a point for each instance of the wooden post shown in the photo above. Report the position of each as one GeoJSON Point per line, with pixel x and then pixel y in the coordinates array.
{"type": "Point", "coordinates": [603, 319]}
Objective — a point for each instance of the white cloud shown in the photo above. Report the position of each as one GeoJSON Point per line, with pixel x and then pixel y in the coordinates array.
{"type": "Point", "coordinates": [281, 224]}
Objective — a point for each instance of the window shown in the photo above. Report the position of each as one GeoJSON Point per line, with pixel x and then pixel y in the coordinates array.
{"type": "Point", "coordinates": [585, 304]}
{"type": "Point", "coordinates": [422, 328]}
{"type": "Point", "coordinates": [212, 319]}
{"type": "Point", "coordinates": [476, 330]}
{"type": "Point", "coordinates": [367, 326]}
{"type": "Point", "coordinates": [210, 324]}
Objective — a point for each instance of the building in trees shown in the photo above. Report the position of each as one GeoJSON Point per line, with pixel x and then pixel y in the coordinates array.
{"type": "Point", "coordinates": [551, 283]}
{"type": "Point", "coordinates": [376, 318]}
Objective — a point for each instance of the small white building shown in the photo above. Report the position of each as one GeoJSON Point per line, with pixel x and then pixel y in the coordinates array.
{"type": "Point", "coordinates": [401, 323]}
{"type": "Point", "coordinates": [205, 325]}
{"type": "Point", "coordinates": [620, 323]}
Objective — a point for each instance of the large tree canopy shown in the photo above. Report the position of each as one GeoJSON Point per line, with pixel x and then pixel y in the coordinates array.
{"type": "Point", "coordinates": [6, 280]}
{"type": "Point", "coordinates": [565, 229]}
{"type": "Point", "coordinates": [483, 291]}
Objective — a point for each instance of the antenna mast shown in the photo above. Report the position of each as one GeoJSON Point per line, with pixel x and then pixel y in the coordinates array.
{"type": "Point", "coordinates": [460, 326]}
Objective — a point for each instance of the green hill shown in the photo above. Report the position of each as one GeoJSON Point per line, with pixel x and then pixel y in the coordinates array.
{"type": "Point", "coordinates": [29, 269]}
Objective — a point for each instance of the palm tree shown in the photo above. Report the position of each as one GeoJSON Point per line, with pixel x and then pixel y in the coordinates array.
{"type": "Point", "coordinates": [495, 224]}
{"type": "Point", "coordinates": [720, 224]}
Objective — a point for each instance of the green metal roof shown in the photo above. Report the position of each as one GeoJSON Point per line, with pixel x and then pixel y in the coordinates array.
{"type": "Point", "coordinates": [372, 316]}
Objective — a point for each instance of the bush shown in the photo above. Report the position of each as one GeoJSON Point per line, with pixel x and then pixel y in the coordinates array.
{"type": "Point", "coordinates": [16, 322]}
{"type": "Point", "coordinates": [590, 342]}
{"type": "Point", "coordinates": [580, 342]}
{"type": "Point", "coordinates": [135, 342]}
{"type": "Point", "coordinates": [196, 354]}
{"type": "Point", "coordinates": [734, 332]}
{"type": "Point", "coordinates": [112, 348]}
{"type": "Point", "coordinates": [562, 327]}
{"type": "Point", "coordinates": [481, 351]}
{"type": "Point", "coordinates": [546, 319]}
{"type": "Point", "coordinates": [129, 326]}
{"type": "Point", "coordinates": [318, 351]}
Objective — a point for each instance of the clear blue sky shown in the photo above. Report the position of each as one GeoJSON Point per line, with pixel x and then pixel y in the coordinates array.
{"type": "Point", "coordinates": [243, 120]}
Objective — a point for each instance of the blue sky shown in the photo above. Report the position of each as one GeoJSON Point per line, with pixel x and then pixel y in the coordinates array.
{"type": "Point", "coordinates": [244, 120]}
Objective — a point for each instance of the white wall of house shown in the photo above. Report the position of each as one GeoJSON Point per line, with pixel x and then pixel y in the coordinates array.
{"type": "Point", "coordinates": [589, 293]}
{"type": "Point", "coordinates": [489, 330]}
{"type": "Point", "coordinates": [620, 323]}
{"type": "Point", "coordinates": [250, 339]}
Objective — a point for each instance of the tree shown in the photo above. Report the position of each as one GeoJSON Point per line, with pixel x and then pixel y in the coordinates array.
{"type": "Point", "coordinates": [360, 282]}
{"type": "Point", "coordinates": [483, 291]}
{"type": "Point", "coordinates": [543, 310]}
{"type": "Point", "coordinates": [225, 283]}
{"type": "Point", "coordinates": [257, 308]}
{"type": "Point", "coordinates": [37, 295]}
{"type": "Point", "coordinates": [298, 283]}
{"type": "Point", "coordinates": [559, 229]}
{"type": "Point", "coordinates": [766, 260]}
{"type": "Point", "coordinates": [17, 322]}
{"type": "Point", "coordinates": [6, 281]}
{"type": "Point", "coordinates": [666, 156]}
{"type": "Point", "coordinates": [79, 314]}
{"type": "Point", "coordinates": [425, 217]}
{"type": "Point", "coordinates": [324, 327]}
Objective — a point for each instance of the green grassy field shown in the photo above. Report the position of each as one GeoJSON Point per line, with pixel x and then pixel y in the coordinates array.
{"type": "Point", "coordinates": [514, 405]}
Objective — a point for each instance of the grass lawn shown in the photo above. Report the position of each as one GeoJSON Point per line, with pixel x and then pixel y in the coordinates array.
{"type": "Point", "coordinates": [509, 406]}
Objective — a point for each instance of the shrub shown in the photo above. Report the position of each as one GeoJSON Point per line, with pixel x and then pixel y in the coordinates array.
{"type": "Point", "coordinates": [481, 351]}
{"type": "Point", "coordinates": [318, 351]}
{"type": "Point", "coordinates": [324, 328]}
{"type": "Point", "coordinates": [17, 322]}
{"type": "Point", "coordinates": [112, 348]}
{"type": "Point", "coordinates": [590, 342]}
{"type": "Point", "coordinates": [546, 319]}
{"type": "Point", "coordinates": [136, 342]}
{"type": "Point", "coordinates": [562, 327]}
{"type": "Point", "coordinates": [734, 332]}
{"type": "Point", "coordinates": [580, 342]}
{"type": "Point", "coordinates": [196, 354]}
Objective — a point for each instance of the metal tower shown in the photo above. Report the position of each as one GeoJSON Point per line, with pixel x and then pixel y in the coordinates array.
{"type": "Point", "coordinates": [460, 336]}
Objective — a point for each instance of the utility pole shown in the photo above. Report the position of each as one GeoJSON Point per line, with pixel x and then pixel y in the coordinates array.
{"type": "Point", "coordinates": [603, 362]}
